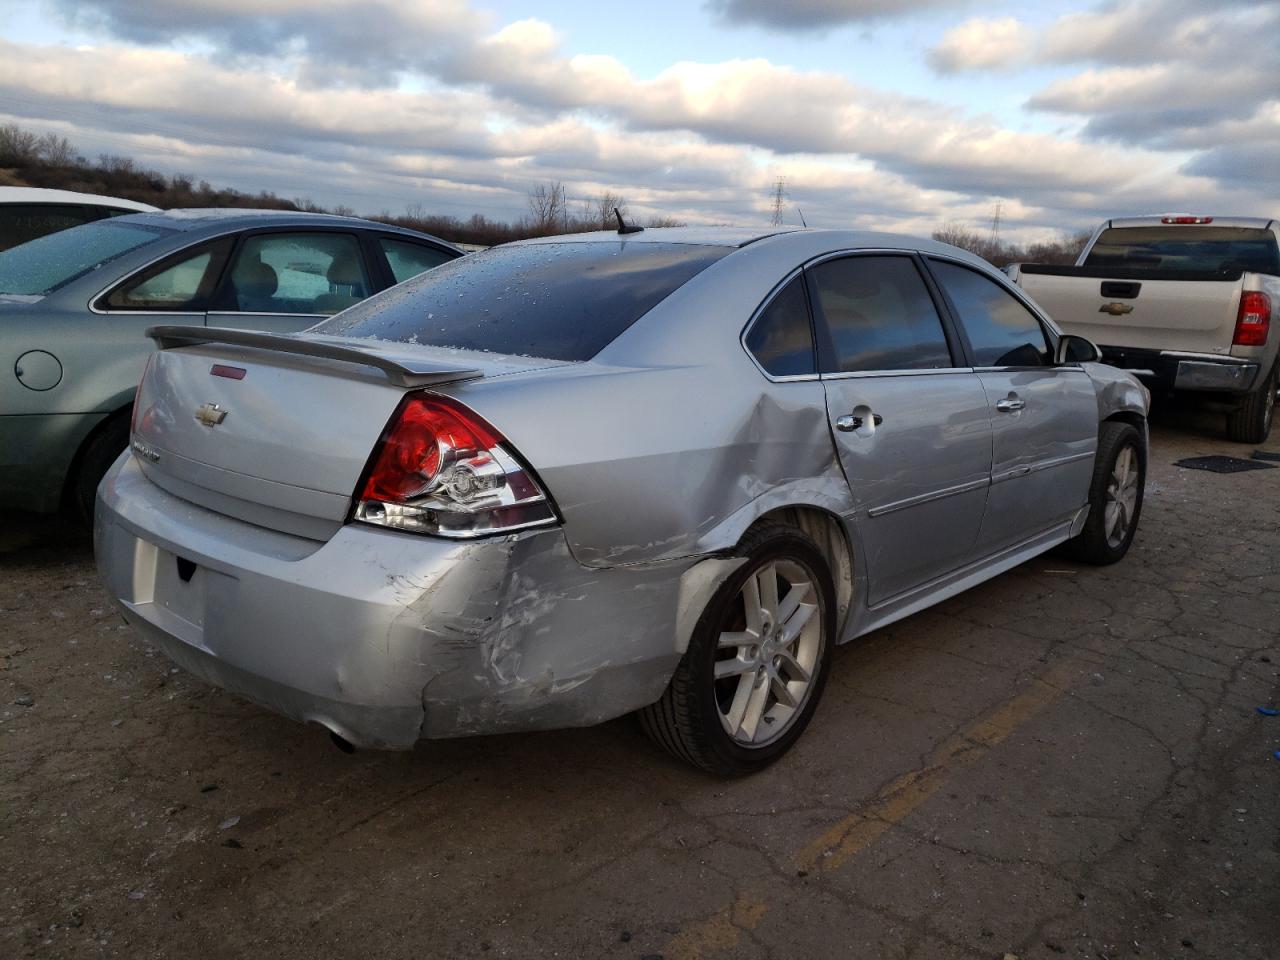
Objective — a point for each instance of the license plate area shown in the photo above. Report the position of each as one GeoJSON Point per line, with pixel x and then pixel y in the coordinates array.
{"type": "Point", "coordinates": [180, 587]}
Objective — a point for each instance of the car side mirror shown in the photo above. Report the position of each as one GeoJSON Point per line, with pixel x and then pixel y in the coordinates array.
{"type": "Point", "coordinates": [1073, 349]}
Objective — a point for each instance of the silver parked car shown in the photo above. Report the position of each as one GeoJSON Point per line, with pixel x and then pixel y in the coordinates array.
{"type": "Point", "coordinates": [565, 479]}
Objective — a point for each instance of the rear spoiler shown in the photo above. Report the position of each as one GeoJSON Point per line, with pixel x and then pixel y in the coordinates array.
{"type": "Point", "coordinates": [401, 369]}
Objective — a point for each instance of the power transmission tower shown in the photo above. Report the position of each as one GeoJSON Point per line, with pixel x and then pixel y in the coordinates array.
{"type": "Point", "coordinates": [779, 199]}
{"type": "Point", "coordinates": [994, 240]}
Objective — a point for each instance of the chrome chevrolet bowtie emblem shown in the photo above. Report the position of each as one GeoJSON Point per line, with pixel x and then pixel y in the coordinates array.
{"type": "Point", "coordinates": [210, 414]}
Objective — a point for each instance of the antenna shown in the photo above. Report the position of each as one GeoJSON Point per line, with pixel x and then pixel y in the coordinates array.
{"type": "Point", "coordinates": [801, 212]}
{"type": "Point", "coordinates": [623, 226]}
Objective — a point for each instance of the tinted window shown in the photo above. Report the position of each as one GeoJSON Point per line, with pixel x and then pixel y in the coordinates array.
{"type": "Point", "coordinates": [297, 273]}
{"type": "Point", "coordinates": [43, 265]}
{"type": "Point", "coordinates": [1197, 248]}
{"type": "Point", "coordinates": [880, 315]}
{"type": "Point", "coordinates": [410, 259]}
{"type": "Point", "coordinates": [181, 284]}
{"type": "Point", "coordinates": [781, 339]}
{"type": "Point", "coordinates": [20, 222]}
{"type": "Point", "coordinates": [563, 301]}
{"type": "Point", "coordinates": [1002, 332]}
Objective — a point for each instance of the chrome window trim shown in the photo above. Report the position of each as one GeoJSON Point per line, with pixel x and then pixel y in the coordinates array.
{"type": "Point", "coordinates": [914, 372]}
{"type": "Point", "coordinates": [120, 281]}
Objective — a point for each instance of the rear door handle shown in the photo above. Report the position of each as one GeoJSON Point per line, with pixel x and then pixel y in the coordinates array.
{"type": "Point", "coordinates": [1010, 404]}
{"type": "Point", "coordinates": [848, 423]}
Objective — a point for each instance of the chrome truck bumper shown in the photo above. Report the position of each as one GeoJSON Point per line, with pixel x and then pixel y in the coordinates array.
{"type": "Point", "coordinates": [386, 638]}
{"type": "Point", "coordinates": [1176, 370]}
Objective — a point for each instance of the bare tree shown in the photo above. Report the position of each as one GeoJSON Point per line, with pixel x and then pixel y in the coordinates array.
{"type": "Point", "coordinates": [666, 222]}
{"type": "Point", "coordinates": [603, 206]}
{"type": "Point", "coordinates": [56, 150]}
{"type": "Point", "coordinates": [17, 146]}
{"type": "Point", "coordinates": [546, 204]}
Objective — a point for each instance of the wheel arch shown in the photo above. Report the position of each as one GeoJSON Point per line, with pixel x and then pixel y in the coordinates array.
{"type": "Point", "coordinates": [72, 475]}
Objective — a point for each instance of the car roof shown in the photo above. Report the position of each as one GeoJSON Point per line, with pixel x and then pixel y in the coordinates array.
{"type": "Point", "coordinates": [47, 195]}
{"type": "Point", "coordinates": [804, 242]}
{"type": "Point", "coordinates": [224, 219]}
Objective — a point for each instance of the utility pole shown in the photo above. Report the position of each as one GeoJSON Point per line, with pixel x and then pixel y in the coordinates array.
{"type": "Point", "coordinates": [779, 199]}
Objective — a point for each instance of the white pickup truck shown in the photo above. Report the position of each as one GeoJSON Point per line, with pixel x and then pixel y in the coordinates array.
{"type": "Point", "coordinates": [1186, 303]}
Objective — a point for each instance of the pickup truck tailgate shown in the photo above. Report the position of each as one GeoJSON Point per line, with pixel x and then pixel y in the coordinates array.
{"type": "Point", "coordinates": [1154, 314]}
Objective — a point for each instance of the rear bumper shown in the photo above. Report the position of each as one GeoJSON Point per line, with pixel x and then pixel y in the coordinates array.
{"type": "Point", "coordinates": [388, 638]}
{"type": "Point", "coordinates": [1176, 370]}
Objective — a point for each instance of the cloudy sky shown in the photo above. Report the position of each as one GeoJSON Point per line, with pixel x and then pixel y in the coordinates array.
{"type": "Point", "coordinates": [888, 114]}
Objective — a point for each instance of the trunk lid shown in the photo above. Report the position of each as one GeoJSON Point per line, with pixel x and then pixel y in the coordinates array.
{"type": "Point", "coordinates": [277, 430]}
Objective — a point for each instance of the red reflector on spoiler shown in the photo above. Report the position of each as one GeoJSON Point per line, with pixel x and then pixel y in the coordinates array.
{"type": "Point", "coordinates": [231, 373]}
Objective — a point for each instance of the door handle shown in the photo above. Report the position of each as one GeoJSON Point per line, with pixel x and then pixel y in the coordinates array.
{"type": "Point", "coordinates": [1010, 404]}
{"type": "Point", "coordinates": [848, 423]}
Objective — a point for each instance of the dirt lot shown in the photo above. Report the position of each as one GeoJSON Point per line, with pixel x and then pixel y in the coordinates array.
{"type": "Point", "coordinates": [1065, 761]}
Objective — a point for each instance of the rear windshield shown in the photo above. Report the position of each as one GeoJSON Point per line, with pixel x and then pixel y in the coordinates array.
{"type": "Point", "coordinates": [45, 264]}
{"type": "Point", "coordinates": [562, 301]}
{"type": "Point", "coordinates": [1192, 248]}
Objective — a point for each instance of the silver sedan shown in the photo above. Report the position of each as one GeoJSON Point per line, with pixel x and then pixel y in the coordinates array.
{"type": "Point", "coordinates": [567, 479]}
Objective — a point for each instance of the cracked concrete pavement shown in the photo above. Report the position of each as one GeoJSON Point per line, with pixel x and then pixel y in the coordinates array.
{"type": "Point", "coordinates": [1066, 761]}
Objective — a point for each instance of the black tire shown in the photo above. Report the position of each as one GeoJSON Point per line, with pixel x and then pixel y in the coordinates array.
{"type": "Point", "coordinates": [1251, 422]}
{"type": "Point", "coordinates": [1095, 544]}
{"type": "Point", "coordinates": [99, 453]}
{"type": "Point", "coordinates": [687, 720]}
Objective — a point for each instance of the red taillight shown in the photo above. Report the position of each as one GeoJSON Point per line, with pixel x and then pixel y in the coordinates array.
{"type": "Point", "coordinates": [1253, 322]}
{"type": "Point", "coordinates": [426, 431]}
{"type": "Point", "coordinates": [1186, 219]}
{"type": "Point", "coordinates": [133, 416]}
{"type": "Point", "coordinates": [441, 469]}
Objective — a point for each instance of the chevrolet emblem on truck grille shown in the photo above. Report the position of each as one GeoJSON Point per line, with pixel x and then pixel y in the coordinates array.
{"type": "Point", "coordinates": [210, 414]}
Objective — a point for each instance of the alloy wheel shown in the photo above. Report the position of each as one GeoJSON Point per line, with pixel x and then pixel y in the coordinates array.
{"type": "Point", "coordinates": [1121, 497]}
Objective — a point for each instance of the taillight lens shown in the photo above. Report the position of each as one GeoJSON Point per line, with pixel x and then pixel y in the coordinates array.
{"type": "Point", "coordinates": [133, 416]}
{"type": "Point", "coordinates": [441, 469]}
{"type": "Point", "coordinates": [1253, 323]}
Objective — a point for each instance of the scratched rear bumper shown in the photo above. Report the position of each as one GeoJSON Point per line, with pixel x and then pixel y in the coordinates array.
{"type": "Point", "coordinates": [1171, 370]}
{"type": "Point", "coordinates": [385, 637]}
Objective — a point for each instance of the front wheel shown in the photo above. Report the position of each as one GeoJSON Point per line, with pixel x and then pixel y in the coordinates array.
{"type": "Point", "coordinates": [1251, 423]}
{"type": "Point", "coordinates": [757, 660]}
{"type": "Point", "coordinates": [1115, 495]}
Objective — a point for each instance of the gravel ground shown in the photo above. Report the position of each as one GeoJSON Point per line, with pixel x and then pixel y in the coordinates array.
{"type": "Point", "coordinates": [1066, 761]}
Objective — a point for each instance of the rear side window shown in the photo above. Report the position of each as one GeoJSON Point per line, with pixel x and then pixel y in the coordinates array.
{"type": "Point", "coordinates": [781, 339]}
{"type": "Point", "coordinates": [1002, 332]}
{"type": "Point", "coordinates": [408, 259]}
{"type": "Point", "coordinates": [1200, 249]}
{"type": "Point", "coordinates": [562, 301]}
{"type": "Point", "coordinates": [44, 265]}
{"type": "Point", "coordinates": [182, 283]}
{"type": "Point", "coordinates": [879, 315]}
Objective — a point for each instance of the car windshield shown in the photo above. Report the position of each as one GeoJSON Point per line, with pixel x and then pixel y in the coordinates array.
{"type": "Point", "coordinates": [562, 301]}
{"type": "Point", "coordinates": [1193, 248]}
{"type": "Point", "coordinates": [45, 264]}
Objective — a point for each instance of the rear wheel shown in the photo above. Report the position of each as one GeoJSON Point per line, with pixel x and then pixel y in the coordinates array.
{"type": "Point", "coordinates": [1251, 423]}
{"type": "Point", "coordinates": [1115, 495]}
{"type": "Point", "coordinates": [98, 455]}
{"type": "Point", "coordinates": [757, 661]}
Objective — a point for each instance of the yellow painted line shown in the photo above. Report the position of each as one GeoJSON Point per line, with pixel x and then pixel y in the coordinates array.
{"type": "Point", "coordinates": [721, 932]}
{"type": "Point", "coordinates": [896, 801]}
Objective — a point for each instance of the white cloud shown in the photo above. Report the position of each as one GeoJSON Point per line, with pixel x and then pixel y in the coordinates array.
{"type": "Point", "coordinates": [808, 15]}
{"type": "Point", "coordinates": [980, 44]}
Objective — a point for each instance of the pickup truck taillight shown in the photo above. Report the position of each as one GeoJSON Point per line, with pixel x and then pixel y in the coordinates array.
{"type": "Point", "coordinates": [1253, 322]}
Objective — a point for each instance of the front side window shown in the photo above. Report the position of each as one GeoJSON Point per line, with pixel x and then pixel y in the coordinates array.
{"type": "Point", "coordinates": [560, 301]}
{"type": "Point", "coordinates": [181, 284]}
{"type": "Point", "coordinates": [879, 315]}
{"type": "Point", "coordinates": [781, 339]}
{"type": "Point", "coordinates": [297, 273]}
{"type": "Point", "coordinates": [45, 264]}
{"type": "Point", "coordinates": [1002, 332]}
{"type": "Point", "coordinates": [408, 259]}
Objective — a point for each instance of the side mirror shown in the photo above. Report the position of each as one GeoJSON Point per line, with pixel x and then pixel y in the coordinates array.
{"type": "Point", "coordinates": [1073, 349]}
